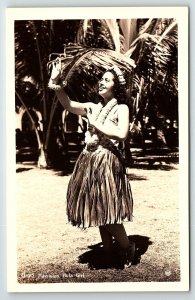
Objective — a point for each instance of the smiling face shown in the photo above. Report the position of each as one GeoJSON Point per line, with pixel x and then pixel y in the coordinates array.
{"type": "Point", "coordinates": [106, 86]}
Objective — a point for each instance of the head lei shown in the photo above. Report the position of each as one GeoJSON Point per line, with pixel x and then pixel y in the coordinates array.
{"type": "Point", "coordinates": [117, 72]}
{"type": "Point", "coordinates": [120, 84]}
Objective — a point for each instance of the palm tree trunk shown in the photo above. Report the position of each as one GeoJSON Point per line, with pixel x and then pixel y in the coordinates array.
{"type": "Point", "coordinates": [53, 108]}
{"type": "Point", "coordinates": [42, 162]}
{"type": "Point", "coordinates": [42, 80]}
{"type": "Point", "coordinates": [31, 119]}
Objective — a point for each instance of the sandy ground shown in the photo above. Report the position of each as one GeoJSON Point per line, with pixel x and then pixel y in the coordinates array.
{"type": "Point", "coordinates": [51, 250]}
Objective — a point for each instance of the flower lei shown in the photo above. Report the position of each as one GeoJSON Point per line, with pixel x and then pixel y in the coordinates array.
{"type": "Point", "coordinates": [91, 136]}
{"type": "Point", "coordinates": [119, 74]}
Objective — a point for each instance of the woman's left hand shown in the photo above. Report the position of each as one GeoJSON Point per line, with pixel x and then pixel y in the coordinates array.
{"type": "Point", "coordinates": [90, 117]}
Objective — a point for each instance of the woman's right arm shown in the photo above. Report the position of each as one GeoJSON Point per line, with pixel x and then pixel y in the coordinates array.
{"type": "Point", "coordinates": [72, 106]}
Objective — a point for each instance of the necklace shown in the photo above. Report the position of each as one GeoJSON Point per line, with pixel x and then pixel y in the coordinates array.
{"type": "Point", "coordinates": [100, 115]}
{"type": "Point", "coordinates": [104, 112]}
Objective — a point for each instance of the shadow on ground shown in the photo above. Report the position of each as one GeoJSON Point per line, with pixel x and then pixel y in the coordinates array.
{"type": "Point", "coordinates": [134, 177]}
{"type": "Point", "coordinates": [19, 170]}
{"type": "Point", "coordinates": [95, 258]}
{"type": "Point", "coordinates": [66, 167]}
{"type": "Point", "coordinates": [155, 166]}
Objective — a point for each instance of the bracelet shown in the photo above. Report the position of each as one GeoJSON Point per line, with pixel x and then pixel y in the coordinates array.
{"type": "Point", "coordinates": [54, 86]}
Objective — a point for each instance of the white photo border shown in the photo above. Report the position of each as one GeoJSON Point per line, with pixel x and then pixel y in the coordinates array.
{"type": "Point", "coordinates": [181, 14]}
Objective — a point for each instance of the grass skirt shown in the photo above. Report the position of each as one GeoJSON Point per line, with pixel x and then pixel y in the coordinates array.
{"type": "Point", "coordinates": [99, 192]}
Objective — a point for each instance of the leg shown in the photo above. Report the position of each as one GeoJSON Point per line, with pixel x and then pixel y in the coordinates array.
{"type": "Point", "coordinates": [119, 233]}
{"type": "Point", "coordinates": [106, 238]}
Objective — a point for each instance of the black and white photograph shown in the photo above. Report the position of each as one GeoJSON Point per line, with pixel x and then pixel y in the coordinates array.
{"type": "Point", "coordinates": [97, 198]}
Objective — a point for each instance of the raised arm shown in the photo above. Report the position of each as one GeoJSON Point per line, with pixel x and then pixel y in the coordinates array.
{"type": "Point", "coordinates": [72, 106]}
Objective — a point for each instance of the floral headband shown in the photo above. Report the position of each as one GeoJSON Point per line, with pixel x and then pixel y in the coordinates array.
{"type": "Point", "coordinates": [118, 73]}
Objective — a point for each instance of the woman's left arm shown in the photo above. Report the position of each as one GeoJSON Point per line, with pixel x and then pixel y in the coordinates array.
{"type": "Point", "coordinates": [117, 132]}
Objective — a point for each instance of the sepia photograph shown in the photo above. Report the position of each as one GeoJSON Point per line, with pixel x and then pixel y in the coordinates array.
{"type": "Point", "coordinates": [98, 142]}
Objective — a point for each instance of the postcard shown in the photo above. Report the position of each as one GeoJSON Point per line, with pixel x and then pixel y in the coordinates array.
{"type": "Point", "coordinates": [97, 149]}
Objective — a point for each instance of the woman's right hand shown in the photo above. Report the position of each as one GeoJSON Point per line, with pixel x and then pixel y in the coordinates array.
{"type": "Point", "coordinates": [55, 80]}
{"type": "Point", "coordinates": [56, 71]}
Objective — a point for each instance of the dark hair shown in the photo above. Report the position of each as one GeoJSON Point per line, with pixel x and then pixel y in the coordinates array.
{"type": "Point", "coordinates": [120, 87]}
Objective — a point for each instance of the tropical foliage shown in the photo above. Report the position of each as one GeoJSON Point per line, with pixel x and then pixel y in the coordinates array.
{"type": "Point", "coordinates": [152, 45]}
{"type": "Point", "coordinates": [34, 41]}
{"type": "Point", "coordinates": [146, 50]}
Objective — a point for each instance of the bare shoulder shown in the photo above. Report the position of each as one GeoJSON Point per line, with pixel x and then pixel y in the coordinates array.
{"type": "Point", "coordinates": [123, 109]}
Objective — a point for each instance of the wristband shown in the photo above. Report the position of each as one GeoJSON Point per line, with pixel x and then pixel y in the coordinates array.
{"type": "Point", "coordinates": [54, 86]}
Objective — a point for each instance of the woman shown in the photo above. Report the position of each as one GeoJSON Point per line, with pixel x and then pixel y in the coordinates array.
{"type": "Point", "coordinates": [99, 193]}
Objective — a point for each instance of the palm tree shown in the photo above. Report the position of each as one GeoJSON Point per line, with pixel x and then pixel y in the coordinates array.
{"type": "Point", "coordinates": [145, 49]}
{"type": "Point", "coordinates": [156, 74]}
{"type": "Point", "coordinates": [34, 41]}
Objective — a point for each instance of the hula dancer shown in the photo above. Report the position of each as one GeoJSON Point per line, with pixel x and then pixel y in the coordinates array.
{"type": "Point", "coordinates": [99, 193]}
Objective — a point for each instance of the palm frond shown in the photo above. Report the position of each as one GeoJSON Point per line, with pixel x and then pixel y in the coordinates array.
{"type": "Point", "coordinates": [95, 33]}
{"type": "Point", "coordinates": [167, 32]}
{"type": "Point", "coordinates": [83, 67]}
{"type": "Point", "coordinates": [156, 64]}
{"type": "Point", "coordinates": [129, 32]}
{"type": "Point", "coordinates": [113, 27]}
{"type": "Point", "coordinates": [146, 28]}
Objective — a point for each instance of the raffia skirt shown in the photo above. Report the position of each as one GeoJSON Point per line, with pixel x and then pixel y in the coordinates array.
{"type": "Point", "coordinates": [99, 192]}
